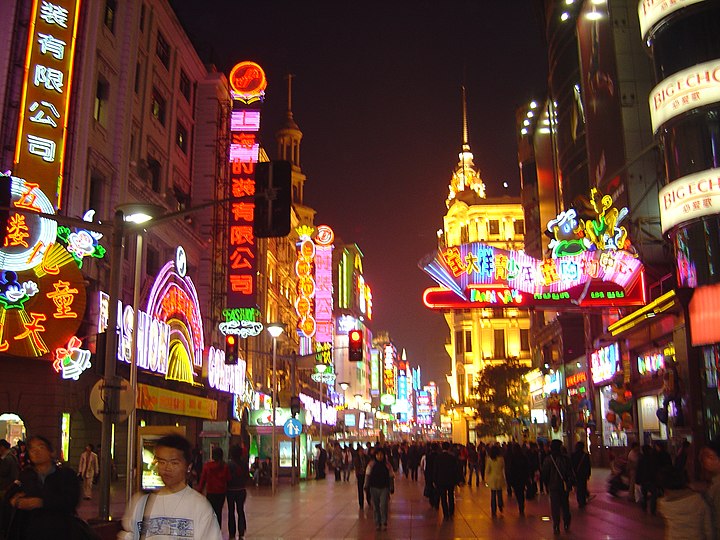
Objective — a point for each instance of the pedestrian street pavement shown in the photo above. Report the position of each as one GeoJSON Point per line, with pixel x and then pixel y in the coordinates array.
{"type": "Point", "coordinates": [326, 509]}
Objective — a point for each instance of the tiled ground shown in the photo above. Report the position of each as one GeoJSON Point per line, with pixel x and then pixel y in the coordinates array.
{"type": "Point", "coordinates": [329, 510]}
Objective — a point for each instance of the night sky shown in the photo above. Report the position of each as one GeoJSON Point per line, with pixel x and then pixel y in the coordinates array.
{"type": "Point", "coordinates": [377, 96]}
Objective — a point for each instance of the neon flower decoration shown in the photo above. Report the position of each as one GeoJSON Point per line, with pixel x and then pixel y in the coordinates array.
{"type": "Point", "coordinates": [82, 243]}
{"type": "Point", "coordinates": [71, 361]}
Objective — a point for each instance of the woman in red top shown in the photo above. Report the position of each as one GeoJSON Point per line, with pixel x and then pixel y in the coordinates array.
{"type": "Point", "coordinates": [214, 479]}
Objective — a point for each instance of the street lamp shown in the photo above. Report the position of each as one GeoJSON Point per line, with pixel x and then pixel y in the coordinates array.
{"type": "Point", "coordinates": [134, 214]}
{"type": "Point", "coordinates": [344, 386]}
{"type": "Point", "coordinates": [275, 330]}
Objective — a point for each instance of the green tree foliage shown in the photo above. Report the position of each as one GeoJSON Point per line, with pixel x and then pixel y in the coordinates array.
{"type": "Point", "coordinates": [502, 398]}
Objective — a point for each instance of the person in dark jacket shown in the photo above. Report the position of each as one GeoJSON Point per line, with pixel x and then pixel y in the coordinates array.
{"type": "Point", "coordinates": [237, 491]}
{"type": "Point", "coordinates": [445, 479]}
{"type": "Point", "coordinates": [581, 467]}
{"type": "Point", "coordinates": [46, 496]}
{"type": "Point", "coordinates": [379, 480]}
{"type": "Point", "coordinates": [431, 491]}
{"type": "Point", "coordinates": [518, 473]}
{"type": "Point", "coordinates": [360, 463]}
{"type": "Point", "coordinates": [646, 472]}
{"type": "Point", "coordinates": [558, 477]}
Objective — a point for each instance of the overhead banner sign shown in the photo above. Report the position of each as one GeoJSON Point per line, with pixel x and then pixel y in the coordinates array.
{"type": "Point", "coordinates": [42, 129]}
{"type": "Point", "coordinates": [152, 398]}
{"type": "Point", "coordinates": [684, 91]}
{"type": "Point", "coordinates": [592, 264]}
{"type": "Point", "coordinates": [690, 197]}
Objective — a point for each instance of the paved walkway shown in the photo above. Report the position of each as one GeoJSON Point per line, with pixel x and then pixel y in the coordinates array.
{"type": "Point", "coordinates": [328, 510]}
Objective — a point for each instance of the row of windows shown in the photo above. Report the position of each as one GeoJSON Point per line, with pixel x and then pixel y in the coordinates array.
{"type": "Point", "coordinates": [463, 342]}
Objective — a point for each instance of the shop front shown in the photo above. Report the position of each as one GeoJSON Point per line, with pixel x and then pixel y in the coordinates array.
{"type": "Point", "coordinates": [652, 369]}
{"type": "Point", "coordinates": [612, 399]}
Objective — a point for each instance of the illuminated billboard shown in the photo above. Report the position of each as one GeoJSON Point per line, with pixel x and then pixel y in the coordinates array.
{"type": "Point", "coordinates": [306, 287]}
{"type": "Point", "coordinates": [46, 92]}
{"type": "Point", "coordinates": [323, 284]}
{"type": "Point", "coordinates": [592, 264]}
{"type": "Point", "coordinates": [248, 83]}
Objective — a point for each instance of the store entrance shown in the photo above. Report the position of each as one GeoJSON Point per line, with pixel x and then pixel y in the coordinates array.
{"type": "Point", "coordinates": [12, 428]}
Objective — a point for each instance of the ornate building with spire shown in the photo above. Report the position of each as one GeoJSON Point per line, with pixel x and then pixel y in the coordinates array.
{"type": "Point", "coordinates": [479, 337]}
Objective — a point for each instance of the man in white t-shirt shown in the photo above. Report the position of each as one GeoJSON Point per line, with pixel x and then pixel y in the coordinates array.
{"type": "Point", "coordinates": [177, 510]}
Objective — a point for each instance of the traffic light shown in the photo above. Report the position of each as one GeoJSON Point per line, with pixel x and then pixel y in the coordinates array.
{"type": "Point", "coordinates": [231, 349]}
{"type": "Point", "coordinates": [295, 405]}
{"type": "Point", "coordinates": [355, 346]}
{"type": "Point", "coordinates": [273, 198]}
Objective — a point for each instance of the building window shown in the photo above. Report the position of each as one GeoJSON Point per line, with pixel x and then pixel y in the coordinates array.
{"type": "Point", "coordinates": [155, 174]}
{"type": "Point", "coordinates": [181, 137]}
{"type": "Point", "coordinates": [96, 190]}
{"type": "Point", "coordinates": [498, 313]}
{"type": "Point", "coordinates": [471, 382]}
{"type": "Point", "coordinates": [468, 341]}
{"type": "Point", "coordinates": [183, 199]}
{"type": "Point", "coordinates": [162, 49]}
{"type": "Point", "coordinates": [110, 8]}
{"type": "Point", "coordinates": [459, 342]}
{"type": "Point", "coordinates": [185, 85]}
{"type": "Point", "coordinates": [499, 335]}
{"type": "Point", "coordinates": [137, 78]}
{"type": "Point", "coordinates": [158, 106]}
{"type": "Point", "coordinates": [494, 225]}
{"type": "Point", "coordinates": [524, 339]}
{"type": "Point", "coordinates": [152, 264]}
{"type": "Point", "coordinates": [464, 237]}
{"type": "Point", "coordinates": [461, 387]}
{"type": "Point", "coordinates": [519, 225]}
{"type": "Point", "coordinates": [102, 93]}
{"type": "Point", "coordinates": [142, 18]}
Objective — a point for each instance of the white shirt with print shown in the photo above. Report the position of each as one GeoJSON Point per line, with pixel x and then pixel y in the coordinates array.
{"type": "Point", "coordinates": [182, 515]}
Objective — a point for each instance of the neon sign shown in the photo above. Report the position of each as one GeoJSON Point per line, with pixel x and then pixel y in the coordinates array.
{"type": "Point", "coordinates": [604, 363]}
{"type": "Point", "coordinates": [306, 286]}
{"type": "Point", "coordinates": [82, 243]}
{"type": "Point", "coordinates": [241, 322]}
{"type": "Point", "coordinates": [248, 82]}
{"type": "Point", "coordinates": [389, 356]}
{"type": "Point", "coordinates": [651, 363]}
{"type": "Point", "coordinates": [44, 105]}
{"type": "Point", "coordinates": [224, 377]}
{"type": "Point", "coordinates": [71, 360]}
{"type": "Point", "coordinates": [323, 283]}
{"type": "Point", "coordinates": [577, 378]}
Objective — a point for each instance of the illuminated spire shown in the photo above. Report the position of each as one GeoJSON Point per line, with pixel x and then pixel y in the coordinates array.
{"type": "Point", "coordinates": [465, 177]}
{"type": "Point", "coordinates": [289, 135]}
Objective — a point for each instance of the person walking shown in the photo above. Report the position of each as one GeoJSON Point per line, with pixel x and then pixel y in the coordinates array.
{"type": "Point", "coordinates": [413, 460]}
{"type": "Point", "coordinates": [558, 476]}
{"type": "Point", "coordinates": [710, 461]}
{"type": "Point", "coordinates": [359, 464]}
{"type": "Point", "coordinates": [347, 463]}
{"type": "Point", "coordinates": [336, 461]}
{"type": "Point", "coordinates": [46, 497]}
{"type": "Point", "coordinates": [446, 474]}
{"type": "Point", "coordinates": [88, 468]}
{"type": "Point", "coordinates": [518, 474]}
{"type": "Point", "coordinates": [582, 469]}
{"type": "Point", "coordinates": [495, 478]}
{"type": "Point", "coordinates": [686, 513]}
{"type": "Point", "coordinates": [321, 462]}
{"type": "Point", "coordinates": [9, 471]}
{"type": "Point", "coordinates": [237, 491]}
{"type": "Point", "coordinates": [214, 479]}
{"type": "Point", "coordinates": [176, 509]}
{"type": "Point", "coordinates": [379, 480]}
{"type": "Point", "coordinates": [646, 472]}
{"type": "Point", "coordinates": [633, 458]}
{"type": "Point", "coordinates": [473, 464]}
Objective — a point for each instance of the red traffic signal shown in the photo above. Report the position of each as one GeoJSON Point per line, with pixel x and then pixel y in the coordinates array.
{"type": "Point", "coordinates": [355, 346]}
{"type": "Point", "coordinates": [231, 349]}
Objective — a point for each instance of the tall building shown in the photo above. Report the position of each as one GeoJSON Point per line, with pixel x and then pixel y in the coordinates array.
{"type": "Point", "coordinates": [489, 335]}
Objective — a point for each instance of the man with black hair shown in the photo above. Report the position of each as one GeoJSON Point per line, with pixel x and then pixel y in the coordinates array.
{"type": "Point", "coordinates": [176, 510]}
{"type": "Point", "coordinates": [558, 475]}
{"type": "Point", "coordinates": [445, 478]}
{"type": "Point", "coordinates": [710, 459]}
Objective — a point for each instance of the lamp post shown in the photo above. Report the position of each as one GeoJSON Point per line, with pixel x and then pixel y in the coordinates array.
{"type": "Point", "coordinates": [135, 214]}
{"type": "Point", "coordinates": [275, 330]}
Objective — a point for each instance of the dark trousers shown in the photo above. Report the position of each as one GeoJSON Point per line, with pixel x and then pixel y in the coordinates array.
{"type": "Point", "coordinates": [519, 490]}
{"type": "Point", "coordinates": [473, 468]}
{"type": "Point", "coordinates": [581, 491]}
{"type": "Point", "coordinates": [236, 503]}
{"type": "Point", "coordinates": [560, 501]}
{"type": "Point", "coordinates": [361, 489]}
{"type": "Point", "coordinates": [649, 494]}
{"type": "Point", "coordinates": [413, 472]}
{"type": "Point", "coordinates": [496, 500]}
{"type": "Point", "coordinates": [338, 470]}
{"type": "Point", "coordinates": [217, 501]}
{"type": "Point", "coordinates": [447, 499]}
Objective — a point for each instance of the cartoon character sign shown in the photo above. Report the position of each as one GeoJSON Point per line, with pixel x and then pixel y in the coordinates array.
{"type": "Point", "coordinates": [621, 405]}
{"type": "Point", "coordinates": [568, 234]}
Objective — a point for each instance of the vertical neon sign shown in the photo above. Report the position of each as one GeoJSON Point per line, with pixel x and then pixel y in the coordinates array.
{"type": "Point", "coordinates": [323, 284]}
{"type": "Point", "coordinates": [44, 106]}
{"type": "Point", "coordinates": [248, 83]}
{"type": "Point", "coordinates": [304, 270]}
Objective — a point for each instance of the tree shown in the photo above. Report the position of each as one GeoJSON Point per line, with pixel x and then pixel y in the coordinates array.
{"type": "Point", "coordinates": [502, 397]}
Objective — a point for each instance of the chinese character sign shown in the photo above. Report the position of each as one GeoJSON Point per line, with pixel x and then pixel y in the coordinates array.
{"type": "Point", "coordinates": [243, 155]}
{"type": "Point", "coordinates": [40, 145]}
{"type": "Point", "coordinates": [323, 283]}
{"type": "Point", "coordinates": [306, 287]}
